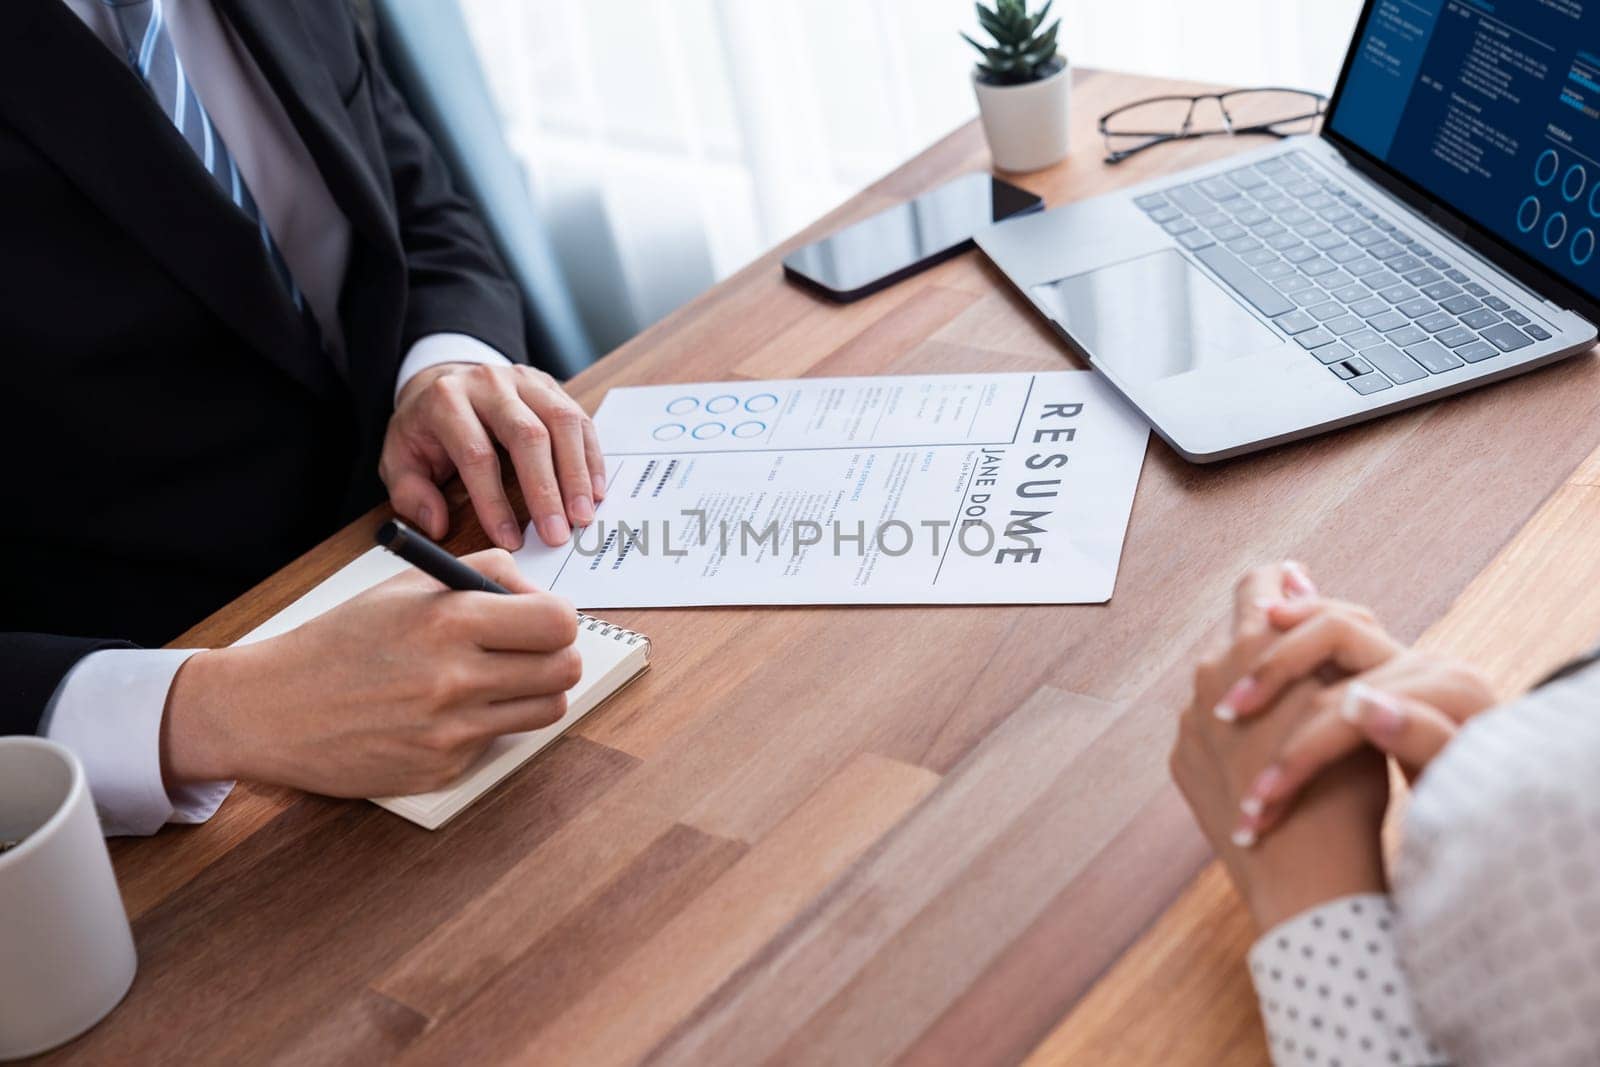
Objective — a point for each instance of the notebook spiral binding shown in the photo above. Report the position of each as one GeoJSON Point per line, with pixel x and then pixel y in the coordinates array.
{"type": "Point", "coordinates": [606, 629]}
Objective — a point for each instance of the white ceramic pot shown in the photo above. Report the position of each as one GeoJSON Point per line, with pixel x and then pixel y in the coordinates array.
{"type": "Point", "coordinates": [1026, 124]}
{"type": "Point", "coordinates": [66, 953]}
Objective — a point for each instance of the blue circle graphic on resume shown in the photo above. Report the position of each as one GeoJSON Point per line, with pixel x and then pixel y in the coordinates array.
{"type": "Point", "coordinates": [761, 402]}
{"type": "Point", "coordinates": [1560, 233]}
{"type": "Point", "coordinates": [1527, 220]}
{"type": "Point", "coordinates": [719, 405]}
{"type": "Point", "coordinates": [1583, 239]}
{"type": "Point", "coordinates": [1568, 191]}
{"type": "Point", "coordinates": [669, 431]}
{"type": "Point", "coordinates": [1539, 174]}
{"type": "Point", "coordinates": [707, 430]}
{"type": "Point", "coordinates": [683, 405]}
{"type": "Point", "coordinates": [750, 428]}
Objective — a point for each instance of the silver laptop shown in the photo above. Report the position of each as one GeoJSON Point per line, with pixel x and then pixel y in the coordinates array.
{"type": "Point", "coordinates": [1439, 233]}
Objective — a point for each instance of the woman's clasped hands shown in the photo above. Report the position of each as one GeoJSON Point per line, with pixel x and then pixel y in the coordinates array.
{"type": "Point", "coordinates": [1281, 751]}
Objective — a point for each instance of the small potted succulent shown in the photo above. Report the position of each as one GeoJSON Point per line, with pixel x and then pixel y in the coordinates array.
{"type": "Point", "coordinates": [1022, 86]}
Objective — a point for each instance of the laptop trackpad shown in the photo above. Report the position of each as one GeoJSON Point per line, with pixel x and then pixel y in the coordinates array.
{"type": "Point", "coordinates": [1153, 317]}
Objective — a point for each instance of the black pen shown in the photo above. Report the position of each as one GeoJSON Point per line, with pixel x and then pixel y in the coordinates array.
{"type": "Point", "coordinates": [423, 554]}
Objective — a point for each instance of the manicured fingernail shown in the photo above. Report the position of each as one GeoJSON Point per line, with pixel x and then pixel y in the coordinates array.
{"type": "Point", "coordinates": [1379, 712]}
{"type": "Point", "coordinates": [510, 536]}
{"type": "Point", "coordinates": [1244, 837]}
{"type": "Point", "coordinates": [599, 487]}
{"type": "Point", "coordinates": [582, 510]}
{"type": "Point", "coordinates": [1227, 708]}
{"type": "Point", "coordinates": [1350, 706]}
{"type": "Point", "coordinates": [425, 518]}
{"type": "Point", "coordinates": [1296, 582]}
{"type": "Point", "coordinates": [1260, 791]}
{"type": "Point", "coordinates": [555, 529]}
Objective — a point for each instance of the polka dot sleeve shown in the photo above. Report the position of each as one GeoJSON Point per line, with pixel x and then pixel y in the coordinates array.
{"type": "Point", "coordinates": [1331, 990]}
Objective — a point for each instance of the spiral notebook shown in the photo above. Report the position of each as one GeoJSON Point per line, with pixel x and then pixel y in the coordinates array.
{"type": "Point", "coordinates": [612, 657]}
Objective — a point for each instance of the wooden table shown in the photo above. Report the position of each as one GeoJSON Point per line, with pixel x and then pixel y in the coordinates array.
{"type": "Point", "coordinates": [856, 835]}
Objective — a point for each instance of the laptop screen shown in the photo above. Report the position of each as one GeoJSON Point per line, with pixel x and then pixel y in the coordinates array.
{"type": "Point", "coordinates": [1493, 109]}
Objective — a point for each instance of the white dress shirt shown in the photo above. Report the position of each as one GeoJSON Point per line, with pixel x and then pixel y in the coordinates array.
{"type": "Point", "coordinates": [108, 709]}
{"type": "Point", "coordinates": [1490, 951]}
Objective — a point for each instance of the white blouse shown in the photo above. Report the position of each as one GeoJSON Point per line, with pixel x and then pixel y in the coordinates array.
{"type": "Point", "coordinates": [1489, 951]}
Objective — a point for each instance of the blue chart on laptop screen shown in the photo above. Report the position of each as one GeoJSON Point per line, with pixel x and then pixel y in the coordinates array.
{"type": "Point", "coordinates": [1492, 108]}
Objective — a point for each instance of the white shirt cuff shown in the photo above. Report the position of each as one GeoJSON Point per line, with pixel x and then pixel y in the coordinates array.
{"type": "Point", "coordinates": [437, 348]}
{"type": "Point", "coordinates": [1332, 990]}
{"type": "Point", "coordinates": [108, 711]}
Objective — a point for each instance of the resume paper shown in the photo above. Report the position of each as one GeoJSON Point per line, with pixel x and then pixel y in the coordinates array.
{"type": "Point", "coordinates": [935, 489]}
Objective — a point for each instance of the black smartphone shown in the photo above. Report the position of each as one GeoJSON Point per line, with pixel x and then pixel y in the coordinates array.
{"type": "Point", "coordinates": [896, 243]}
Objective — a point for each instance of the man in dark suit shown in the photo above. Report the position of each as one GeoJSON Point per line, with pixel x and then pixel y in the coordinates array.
{"type": "Point", "coordinates": [239, 290]}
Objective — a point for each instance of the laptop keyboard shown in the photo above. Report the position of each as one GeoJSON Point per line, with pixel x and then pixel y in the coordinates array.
{"type": "Point", "coordinates": [1373, 303]}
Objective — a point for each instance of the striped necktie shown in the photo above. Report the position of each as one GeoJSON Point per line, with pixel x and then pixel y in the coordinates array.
{"type": "Point", "coordinates": [151, 51]}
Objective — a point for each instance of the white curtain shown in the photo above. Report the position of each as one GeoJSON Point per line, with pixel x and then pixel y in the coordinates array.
{"type": "Point", "coordinates": [671, 141]}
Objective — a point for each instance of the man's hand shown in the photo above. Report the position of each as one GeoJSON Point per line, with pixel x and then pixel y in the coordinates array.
{"type": "Point", "coordinates": [1329, 847]}
{"type": "Point", "coordinates": [448, 419]}
{"type": "Point", "coordinates": [396, 691]}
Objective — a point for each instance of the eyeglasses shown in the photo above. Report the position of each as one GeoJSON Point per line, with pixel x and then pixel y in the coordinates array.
{"type": "Point", "coordinates": [1146, 123]}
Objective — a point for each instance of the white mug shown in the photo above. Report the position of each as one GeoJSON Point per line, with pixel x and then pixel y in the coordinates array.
{"type": "Point", "coordinates": [66, 952]}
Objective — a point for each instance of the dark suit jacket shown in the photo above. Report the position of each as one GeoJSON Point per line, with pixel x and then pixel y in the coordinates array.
{"type": "Point", "coordinates": [172, 433]}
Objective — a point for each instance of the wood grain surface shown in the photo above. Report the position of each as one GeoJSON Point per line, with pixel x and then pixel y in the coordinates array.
{"type": "Point", "coordinates": [854, 836]}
